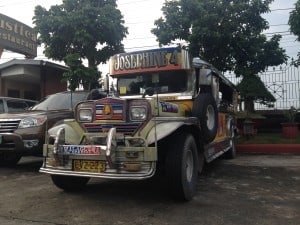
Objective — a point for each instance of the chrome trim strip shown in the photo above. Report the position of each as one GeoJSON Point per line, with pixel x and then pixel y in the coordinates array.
{"type": "Point", "coordinates": [127, 176]}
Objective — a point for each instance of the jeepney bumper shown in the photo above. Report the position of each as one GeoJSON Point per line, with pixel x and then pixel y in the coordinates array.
{"type": "Point", "coordinates": [100, 161]}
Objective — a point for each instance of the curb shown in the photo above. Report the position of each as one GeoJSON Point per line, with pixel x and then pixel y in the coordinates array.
{"type": "Point", "coordinates": [269, 148]}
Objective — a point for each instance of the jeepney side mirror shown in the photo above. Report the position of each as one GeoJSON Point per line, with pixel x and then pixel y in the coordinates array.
{"type": "Point", "coordinates": [106, 83]}
{"type": "Point", "coordinates": [148, 91]}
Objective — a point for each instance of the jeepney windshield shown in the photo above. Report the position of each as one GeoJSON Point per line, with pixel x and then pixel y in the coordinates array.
{"type": "Point", "coordinates": [164, 82]}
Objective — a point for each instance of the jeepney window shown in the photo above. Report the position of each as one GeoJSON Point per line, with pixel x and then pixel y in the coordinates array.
{"type": "Point", "coordinates": [165, 82]}
{"type": "Point", "coordinates": [226, 97]}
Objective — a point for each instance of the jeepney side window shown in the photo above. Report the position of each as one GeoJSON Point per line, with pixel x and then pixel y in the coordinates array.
{"type": "Point", "coordinates": [226, 98]}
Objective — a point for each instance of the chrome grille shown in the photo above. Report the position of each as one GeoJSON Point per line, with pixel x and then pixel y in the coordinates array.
{"type": "Point", "coordinates": [124, 128]}
{"type": "Point", "coordinates": [9, 125]}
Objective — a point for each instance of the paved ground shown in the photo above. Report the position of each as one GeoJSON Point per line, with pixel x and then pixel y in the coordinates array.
{"type": "Point", "coordinates": [251, 189]}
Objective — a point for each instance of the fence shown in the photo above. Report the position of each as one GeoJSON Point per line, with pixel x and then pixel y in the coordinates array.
{"type": "Point", "coordinates": [283, 82]}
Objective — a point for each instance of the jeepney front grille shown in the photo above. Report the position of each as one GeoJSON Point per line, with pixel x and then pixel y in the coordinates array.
{"type": "Point", "coordinates": [9, 125]}
{"type": "Point", "coordinates": [124, 128]}
{"type": "Point", "coordinates": [110, 111]}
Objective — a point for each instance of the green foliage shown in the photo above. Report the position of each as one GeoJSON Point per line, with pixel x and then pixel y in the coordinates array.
{"type": "Point", "coordinates": [294, 22]}
{"type": "Point", "coordinates": [228, 34]}
{"type": "Point", "coordinates": [90, 29]}
{"type": "Point", "coordinates": [291, 114]}
{"type": "Point", "coordinates": [252, 88]}
{"type": "Point", "coordinates": [79, 74]}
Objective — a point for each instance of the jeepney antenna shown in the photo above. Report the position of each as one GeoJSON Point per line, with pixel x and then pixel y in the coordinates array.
{"type": "Point", "coordinates": [71, 101]}
{"type": "Point", "coordinates": [46, 137]}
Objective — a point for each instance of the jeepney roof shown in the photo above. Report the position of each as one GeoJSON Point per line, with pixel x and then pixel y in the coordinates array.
{"type": "Point", "coordinates": [202, 64]}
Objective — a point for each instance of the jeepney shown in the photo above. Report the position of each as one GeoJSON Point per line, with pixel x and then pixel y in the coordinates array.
{"type": "Point", "coordinates": [168, 112]}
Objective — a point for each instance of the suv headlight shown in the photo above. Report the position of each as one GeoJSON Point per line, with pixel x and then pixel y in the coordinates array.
{"type": "Point", "coordinates": [138, 113]}
{"type": "Point", "coordinates": [85, 115]}
{"type": "Point", "coordinates": [32, 121]}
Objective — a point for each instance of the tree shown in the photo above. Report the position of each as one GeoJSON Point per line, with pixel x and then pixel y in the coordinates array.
{"type": "Point", "coordinates": [294, 22]}
{"type": "Point", "coordinates": [227, 33]}
{"type": "Point", "coordinates": [81, 30]}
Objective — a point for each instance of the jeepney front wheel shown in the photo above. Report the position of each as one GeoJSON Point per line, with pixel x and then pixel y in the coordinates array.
{"type": "Point", "coordinates": [182, 166]}
{"type": "Point", "coordinates": [69, 183]}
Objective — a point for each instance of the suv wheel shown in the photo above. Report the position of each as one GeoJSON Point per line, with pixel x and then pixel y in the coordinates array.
{"type": "Point", "coordinates": [9, 159]}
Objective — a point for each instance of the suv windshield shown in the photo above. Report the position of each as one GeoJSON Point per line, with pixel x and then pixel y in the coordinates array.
{"type": "Point", "coordinates": [166, 82]}
{"type": "Point", "coordinates": [61, 101]}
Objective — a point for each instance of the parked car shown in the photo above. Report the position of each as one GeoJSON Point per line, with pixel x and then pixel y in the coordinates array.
{"type": "Point", "coordinates": [23, 133]}
{"type": "Point", "coordinates": [8, 104]}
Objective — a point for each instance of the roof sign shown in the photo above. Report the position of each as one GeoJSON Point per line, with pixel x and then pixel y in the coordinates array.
{"type": "Point", "coordinates": [149, 61]}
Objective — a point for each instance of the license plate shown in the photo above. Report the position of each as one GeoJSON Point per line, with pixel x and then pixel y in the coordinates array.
{"type": "Point", "coordinates": [94, 166]}
{"type": "Point", "coordinates": [79, 149]}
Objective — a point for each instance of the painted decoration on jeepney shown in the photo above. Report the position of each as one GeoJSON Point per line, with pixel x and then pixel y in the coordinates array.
{"type": "Point", "coordinates": [109, 109]}
{"type": "Point", "coordinates": [221, 125]}
{"type": "Point", "coordinates": [167, 107]}
{"type": "Point", "coordinates": [149, 61]}
{"type": "Point", "coordinates": [106, 111]}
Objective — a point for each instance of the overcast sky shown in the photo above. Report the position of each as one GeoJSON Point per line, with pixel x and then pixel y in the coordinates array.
{"type": "Point", "coordinates": [139, 16]}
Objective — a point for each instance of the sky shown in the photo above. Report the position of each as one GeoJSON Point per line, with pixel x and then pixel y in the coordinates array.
{"type": "Point", "coordinates": [139, 16]}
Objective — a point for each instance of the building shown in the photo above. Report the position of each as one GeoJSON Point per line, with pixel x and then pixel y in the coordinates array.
{"type": "Point", "coordinates": [31, 79]}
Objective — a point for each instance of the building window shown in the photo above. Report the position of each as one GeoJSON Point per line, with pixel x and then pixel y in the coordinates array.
{"type": "Point", "coordinates": [30, 95]}
{"type": "Point", "coordinates": [13, 93]}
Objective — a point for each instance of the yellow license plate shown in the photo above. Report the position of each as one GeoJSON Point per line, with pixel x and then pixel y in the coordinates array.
{"type": "Point", "coordinates": [94, 166]}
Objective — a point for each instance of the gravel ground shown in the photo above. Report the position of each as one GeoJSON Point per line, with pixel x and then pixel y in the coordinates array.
{"type": "Point", "coordinates": [251, 189]}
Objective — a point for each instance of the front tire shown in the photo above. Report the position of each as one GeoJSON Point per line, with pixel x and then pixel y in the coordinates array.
{"type": "Point", "coordinates": [9, 159]}
{"type": "Point", "coordinates": [70, 183]}
{"type": "Point", "coordinates": [182, 166]}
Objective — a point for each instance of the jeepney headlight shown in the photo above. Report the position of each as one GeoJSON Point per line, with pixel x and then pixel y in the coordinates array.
{"type": "Point", "coordinates": [138, 113]}
{"type": "Point", "coordinates": [85, 115]}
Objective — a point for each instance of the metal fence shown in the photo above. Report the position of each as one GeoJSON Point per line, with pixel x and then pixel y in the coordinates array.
{"type": "Point", "coordinates": [283, 82]}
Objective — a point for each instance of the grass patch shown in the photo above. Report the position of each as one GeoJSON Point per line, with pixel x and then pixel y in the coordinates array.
{"type": "Point", "coordinates": [268, 138]}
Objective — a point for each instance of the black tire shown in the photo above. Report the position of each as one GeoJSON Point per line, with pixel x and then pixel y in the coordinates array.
{"type": "Point", "coordinates": [182, 166]}
{"type": "Point", "coordinates": [70, 183]}
{"type": "Point", "coordinates": [231, 153]}
{"type": "Point", "coordinates": [9, 159]}
{"type": "Point", "coordinates": [205, 108]}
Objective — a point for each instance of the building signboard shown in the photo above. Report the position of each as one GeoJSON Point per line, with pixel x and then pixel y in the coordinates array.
{"type": "Point", "coordinates": [17, 37]}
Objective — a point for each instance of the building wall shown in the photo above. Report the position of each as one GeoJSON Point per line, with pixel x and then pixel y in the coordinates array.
{"type": "Point", "coordinates": [33, 82]}
{"type": "Point", "coordinates": [51, 82]}
{"type": "Point", "coordinates": [21, 90]}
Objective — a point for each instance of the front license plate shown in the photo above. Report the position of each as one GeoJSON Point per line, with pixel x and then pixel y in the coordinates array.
{"type": "Point", "coordinates": [94, 166]}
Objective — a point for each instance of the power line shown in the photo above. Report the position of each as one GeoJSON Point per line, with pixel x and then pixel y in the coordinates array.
{"type": "Point", "coordinates": [281, 9]}
{"type": "Point", "coordinates": [277, 25]}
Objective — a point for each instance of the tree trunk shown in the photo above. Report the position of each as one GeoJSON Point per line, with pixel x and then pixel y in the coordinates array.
{"type": "Point", "coordinates": [249, 105]}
